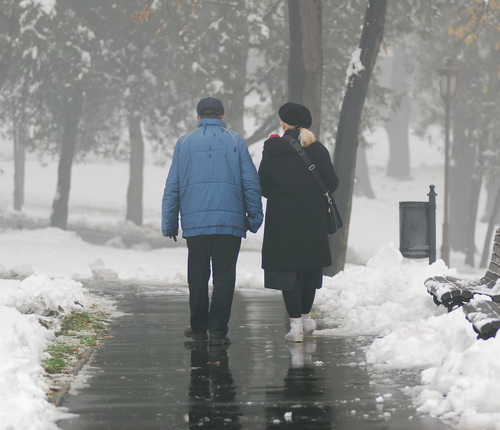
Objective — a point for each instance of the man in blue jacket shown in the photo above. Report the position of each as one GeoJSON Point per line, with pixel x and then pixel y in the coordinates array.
{"type": "Point", "coordinates": [214, 185]}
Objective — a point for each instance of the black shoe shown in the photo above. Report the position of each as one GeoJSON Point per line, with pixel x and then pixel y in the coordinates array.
{"type": "Point", "coordinates": [219, 340]}
{"type": "Point", "coordinates": [188, 332]}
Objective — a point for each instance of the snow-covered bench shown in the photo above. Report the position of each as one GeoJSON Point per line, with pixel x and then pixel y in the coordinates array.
{"type": "Point", "coordinates": [484, 316]}
{"type": "Point", "coordinates": [452, 292]}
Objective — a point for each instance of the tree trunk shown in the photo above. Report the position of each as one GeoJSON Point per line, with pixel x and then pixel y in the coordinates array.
{"type": "Point", "coordinates": [59, 217]}
{"type": "Point", "coordinates": [19, 165]}
{"type": "Point", "coordinates": [135, 188]}
{"type": "Point", "coordinates": [491, 191]}
{"type": "Point", "coordinates": [491, 226]}
{"type": "Point", "coordinates": [470, 238]}
{"type": "Point", "coordinates": [346, 145]}
{"type": "Point", "coordinates": [363, 185]}
{"type": "Point", "coordinates": [237, 103]}
{"type": "Point", "coordinates": [463, 155]}
{"type": "Point", "coordinates": [475, 191]}
{"type": "Point", "coordinates": [305, 63]}
{"type": "Point", "coordinates": [398, 125]}
{"type": "Point", "coordinates": [10, 15]}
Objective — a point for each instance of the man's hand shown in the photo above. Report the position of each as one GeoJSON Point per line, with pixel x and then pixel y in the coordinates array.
{"type": "Point", "coordinates": [173, 237]}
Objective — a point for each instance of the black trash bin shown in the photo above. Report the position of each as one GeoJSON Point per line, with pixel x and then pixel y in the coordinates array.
{"type": "Point", "coordinates": [417, 228]}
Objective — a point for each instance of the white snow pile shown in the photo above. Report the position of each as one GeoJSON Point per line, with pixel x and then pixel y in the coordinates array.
{"type": "Point", "coordinates": [23, 403]}
{"type": "Point", "coordinates": [461, 376]}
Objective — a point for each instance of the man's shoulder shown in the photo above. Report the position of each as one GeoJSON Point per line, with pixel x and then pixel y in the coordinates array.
{"type": "Point", "coordinates": [234, 135]}
{"type": "Point", "coordinates": [183, 138]}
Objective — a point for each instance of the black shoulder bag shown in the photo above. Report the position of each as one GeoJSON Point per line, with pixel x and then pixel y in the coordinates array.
{"type": "Point", "coordinates": [333, 215]}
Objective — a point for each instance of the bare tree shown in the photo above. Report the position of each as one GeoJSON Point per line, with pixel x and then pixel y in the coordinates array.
{"type": "Point", "coordinates": [135, 187]}
{"type": "Point", "coordinates": [305, 67]}
{"type": "Point", "coordinates": [10, 14]}
{"type": "Point", "coordinates": [74, 106]}
{"type": "Point", "coordinates": [346, 145]}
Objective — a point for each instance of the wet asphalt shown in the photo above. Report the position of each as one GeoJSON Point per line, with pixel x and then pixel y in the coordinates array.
{"type": "Point", "coordinates": [149, 376]}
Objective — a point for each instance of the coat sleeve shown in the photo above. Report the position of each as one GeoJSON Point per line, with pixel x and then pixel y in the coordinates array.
{"type": "Point", "coordinates": [326, 170]}
{"type": "Point", "coordinates": [251, 190]}
{"type": "Point", "coordinates": [265, 179]}
{"type": "Point", "coordinates": [171, 199]}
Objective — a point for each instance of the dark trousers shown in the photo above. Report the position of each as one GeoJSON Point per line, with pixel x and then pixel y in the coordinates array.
{"type": "Point", "coordinates": [222, 250]}
{"type": "Point", "coordinates": [300, 300]}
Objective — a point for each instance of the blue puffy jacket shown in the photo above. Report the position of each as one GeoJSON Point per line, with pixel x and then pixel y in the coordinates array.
{"type": "Point", "coordinates": [213, 183]}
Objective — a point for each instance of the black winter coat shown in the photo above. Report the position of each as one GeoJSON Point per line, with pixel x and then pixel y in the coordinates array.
{"type": "Point", "coordinates": [295, 233]}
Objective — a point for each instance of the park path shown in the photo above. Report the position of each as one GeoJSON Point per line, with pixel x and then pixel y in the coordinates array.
{"type": "Point", "coordinates": [149, 376]}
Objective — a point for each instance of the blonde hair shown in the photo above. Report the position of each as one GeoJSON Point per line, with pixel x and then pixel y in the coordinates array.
{"type": "Point", "coordinates": [306, 137]}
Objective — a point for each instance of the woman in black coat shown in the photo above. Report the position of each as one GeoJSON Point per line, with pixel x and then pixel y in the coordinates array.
{"type": "Point", "coordinates": [296, 246]}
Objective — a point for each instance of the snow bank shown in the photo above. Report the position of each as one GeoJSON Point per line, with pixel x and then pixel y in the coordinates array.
{"type": "Point", "coordinates": [464, 388]}
{"type": "Point", "coordinates": [59, 254]}
{"type": "Point", "coordinates": [379, 297]}
{"type": "Point", "coordinates": [461, 380]}
{"type": "Point", "coordinates": [23, 403]}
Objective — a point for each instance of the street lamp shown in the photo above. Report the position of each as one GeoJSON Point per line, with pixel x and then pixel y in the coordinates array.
{"type": "Point", "coordinates": [448, 78]}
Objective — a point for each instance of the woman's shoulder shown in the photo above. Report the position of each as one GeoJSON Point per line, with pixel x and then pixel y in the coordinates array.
{"type": "Point", "coordinates": [276, 145]}
{"type": "Point", "coordinates": [317, 147]}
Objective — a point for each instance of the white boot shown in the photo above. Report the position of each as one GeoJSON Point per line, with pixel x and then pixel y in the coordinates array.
{"type": "Point", "coordinates": [296, 354]}
{"type": "Point", "coordinates": [309, 324]}
{"type": "Point", "coordinates": [296, 333]}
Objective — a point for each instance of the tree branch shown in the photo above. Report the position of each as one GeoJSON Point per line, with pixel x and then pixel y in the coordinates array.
{"type": "Point", "coordinates": [263, 131]}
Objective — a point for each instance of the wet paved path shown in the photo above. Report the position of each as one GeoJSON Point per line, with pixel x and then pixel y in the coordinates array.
{"type": "Point", "coordinates": [149, 376]}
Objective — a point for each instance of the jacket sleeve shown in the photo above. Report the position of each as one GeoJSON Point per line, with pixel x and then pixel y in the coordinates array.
{"type": "Point", "coordinates": [251, 189]}
{"type": "Point", "coordinates": [171, 198]}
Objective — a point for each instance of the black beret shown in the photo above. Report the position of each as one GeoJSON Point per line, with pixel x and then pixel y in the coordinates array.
{"type": "Point", "coordinates": [211, 105]}
{"type": "Point", "coordinates": [295, 114]}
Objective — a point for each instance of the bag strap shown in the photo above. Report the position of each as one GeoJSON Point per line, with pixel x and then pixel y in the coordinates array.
{"type": "Point", "coordinates": [312, 167]}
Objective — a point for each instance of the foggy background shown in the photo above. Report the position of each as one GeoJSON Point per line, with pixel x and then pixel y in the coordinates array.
{"type": "Point", "coordinates": [118, 83]}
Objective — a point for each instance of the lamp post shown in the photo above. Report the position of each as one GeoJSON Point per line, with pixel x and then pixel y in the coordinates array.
{"type": "Point", "coordinates": [448, 78]}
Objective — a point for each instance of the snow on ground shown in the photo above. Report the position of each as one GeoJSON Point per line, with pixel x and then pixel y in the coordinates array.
{"type": "Point", "coordinates": [380, 293]}
{"type": "Point", "coordinates": [23, 403]}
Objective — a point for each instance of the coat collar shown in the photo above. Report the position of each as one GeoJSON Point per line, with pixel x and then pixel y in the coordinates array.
{"type": "Point", "coordinates": [280, 145]}
{"type": "Point", "coordinates": [211, 121]}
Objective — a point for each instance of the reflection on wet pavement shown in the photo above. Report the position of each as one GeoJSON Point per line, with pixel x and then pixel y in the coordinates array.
{"type": "Point", "coordinates": [299, 402]}
{"type": "Point", "coordinates": [212, 392]}
{"type": "Point", "coordinates": [148, 377]}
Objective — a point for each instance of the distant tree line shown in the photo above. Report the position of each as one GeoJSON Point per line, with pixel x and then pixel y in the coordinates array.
{"type": "Point", "coordinates": [108, 77]}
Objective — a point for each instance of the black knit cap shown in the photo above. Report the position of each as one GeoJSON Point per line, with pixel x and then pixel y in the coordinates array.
{"type": "Point", "coordinates": [210, 106]}
{"type": "Point", "coordinates": [295, 114]}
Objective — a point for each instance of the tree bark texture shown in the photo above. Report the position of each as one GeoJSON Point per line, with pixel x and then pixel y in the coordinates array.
{"type": "Point", "coordinates": [346, 144]}
{"type": "Point", "coordinates": [59, 217]}
{"type": "Point", "coordinates": [305, 62]}
{"type": "Point", "coordinates": [135, 187]}
{"type": "Point", "coordinates": [398, 125]}
{"type": "Point", "coordinates": [19, 166]}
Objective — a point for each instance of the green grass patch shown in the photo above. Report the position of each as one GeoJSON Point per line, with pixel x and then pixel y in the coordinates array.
{"type": "Point", "coordinates": [54, 365]}
{"type": "Point", "coordinates": [82, 321]}
{"type": "Point", "coordinates": [79, 330]}
{"type": "Point", "coordinates": [88, 341]}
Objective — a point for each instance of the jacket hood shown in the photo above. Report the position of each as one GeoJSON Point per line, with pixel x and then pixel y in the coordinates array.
{"type": "Point", "coordinates": [280, 145]}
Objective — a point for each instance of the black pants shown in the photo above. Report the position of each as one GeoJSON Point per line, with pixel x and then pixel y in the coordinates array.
{"type": "Point", "coordinates": [300, 300]}
{"type": "Point", "coordinates": [223, 250]}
